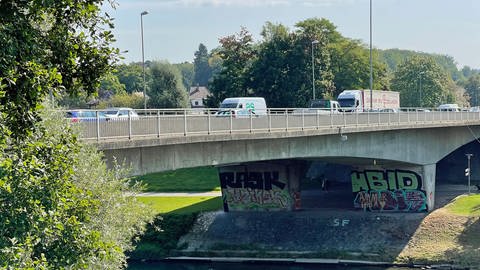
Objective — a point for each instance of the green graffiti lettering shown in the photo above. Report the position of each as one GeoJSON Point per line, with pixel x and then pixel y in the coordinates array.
{"type": "Point", "coordinates": [376, 181]}
{"type": "Point", "coordinates": [358, 182]}
{"type": "Point", "coordinates": [408, 180]}
{"type": "Point", "coordinates": [392, 180]}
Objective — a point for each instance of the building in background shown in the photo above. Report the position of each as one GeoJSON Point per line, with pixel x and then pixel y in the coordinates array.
{"type": "Point", "coordinates": [197, 96]}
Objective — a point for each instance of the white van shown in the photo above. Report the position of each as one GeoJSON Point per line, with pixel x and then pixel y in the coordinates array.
{"type": "Point", "coordinates": [243, 107]}
{"type": "Point", "coordinates": [449, 107]}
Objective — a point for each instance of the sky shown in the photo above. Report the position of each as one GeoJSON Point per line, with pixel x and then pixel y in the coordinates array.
{"type": "Point", "coordinates": [173, 29]}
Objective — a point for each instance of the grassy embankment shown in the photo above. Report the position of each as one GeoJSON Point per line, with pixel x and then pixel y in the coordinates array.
{"type": "Point", "coordinates": [175, 215]}
{"type": "Point", "coordinates": [448, 235]}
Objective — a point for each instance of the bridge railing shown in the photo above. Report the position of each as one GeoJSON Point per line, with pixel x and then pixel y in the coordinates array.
{"type": "Point", "coordinates": [185, 122]}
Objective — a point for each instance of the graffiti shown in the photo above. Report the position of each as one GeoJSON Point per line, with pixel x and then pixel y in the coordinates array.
{"type": "Point", "coordinates": [392, 190]}
{"type": "Point", "coordinates": [237, 199]}
{"type": "Point", "coordinates": [255, 190]}
{"type": "Point", "coordinates": [397, 200]}
{"type": "Point", "coordinates": [340, 222]}
{"type": "Point", "coordinates": [252, 180]}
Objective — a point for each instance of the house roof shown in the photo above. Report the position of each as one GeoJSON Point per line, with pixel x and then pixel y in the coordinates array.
{"type": "Point", "coordinates": [199, 92]}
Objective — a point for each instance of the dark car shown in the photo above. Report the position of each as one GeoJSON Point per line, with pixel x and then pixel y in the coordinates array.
{"type": "Point", "coordinates": [85, 116]}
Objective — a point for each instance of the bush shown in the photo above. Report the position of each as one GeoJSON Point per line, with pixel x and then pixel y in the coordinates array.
{"type": "Point", "coordinates": [60, 206]}
{"type": "Point", "coordinates": [134, 100]}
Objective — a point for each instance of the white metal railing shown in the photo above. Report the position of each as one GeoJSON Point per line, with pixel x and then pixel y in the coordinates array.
{"type": "Point", "coordinates": [184, 122]}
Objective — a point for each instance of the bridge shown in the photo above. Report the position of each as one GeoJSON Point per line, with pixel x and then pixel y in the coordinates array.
{"type": "Point", "coordinates": [261, 160]}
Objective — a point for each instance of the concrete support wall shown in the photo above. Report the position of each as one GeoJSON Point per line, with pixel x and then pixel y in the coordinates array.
{"type": "Point", "coordinates": [429, 175]}
{"type": "Point", "coordinates": [398, 189]}
{"type": "Point", "coordinates": [262, 186]}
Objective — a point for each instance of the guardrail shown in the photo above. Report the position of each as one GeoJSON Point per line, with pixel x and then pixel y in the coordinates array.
{"type": "Point", "coordinates": [185, 122]}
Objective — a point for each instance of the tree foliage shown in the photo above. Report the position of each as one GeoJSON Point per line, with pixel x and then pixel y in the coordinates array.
{"type": "Point", "coordinates": [279, 68]}
{"type": "Point", "coordinates": [48, 46]}
{"type": "Point", "coordinates": [202, 69]}
{"type": "Point", "coordinates": [61, 208]}
{"type": "Point", "coordinates": [166, 89]}
{"type": "Point", "coordinates": [422, 83]}
{"type": "Point", "coordinates": [473, 89]}
{"type": "Point", "coordinates": [237, 54]}
{"type": "Point", "coordinates": [131, 76]}
{"type": "Point", "coordinates": [187, 71]}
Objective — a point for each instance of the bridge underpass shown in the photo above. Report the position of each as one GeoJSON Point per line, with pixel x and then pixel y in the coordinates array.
{"type": "Point", "coordinates": [342, 183]}
{"type": "Point", "coordinates": [394, 169]}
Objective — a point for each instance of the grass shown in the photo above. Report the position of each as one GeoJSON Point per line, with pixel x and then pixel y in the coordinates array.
{"type": "Point", "coordinates": [448, 235]}
{"type": "Point", "coordinates": [466, 205]}
{"type": "Point", "coordinates": [175, 217]}
{"type": "Point", "coordinates": [182, 205]}
{"type": "Point", "coordinates": [182, 180]}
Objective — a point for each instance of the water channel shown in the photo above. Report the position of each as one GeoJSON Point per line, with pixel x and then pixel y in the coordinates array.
{"type": "Point", "coordinates": [249, 266]}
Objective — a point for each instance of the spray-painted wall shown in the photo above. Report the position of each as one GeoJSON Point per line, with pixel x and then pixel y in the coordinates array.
{"type": "Point", "coordinates": [389, 190]}
{"type": "Point", "coordinates": [260, 187]}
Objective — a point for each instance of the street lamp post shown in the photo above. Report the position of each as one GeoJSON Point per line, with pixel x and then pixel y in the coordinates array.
{"type": "Point", "coordinates": [468, 172]}
{"type": "Point", "coordinates": [371, 64]}
{"type": "Point", "coordinates": [143, 62]}
{"type": "Point", "coordinates": [313, 69]}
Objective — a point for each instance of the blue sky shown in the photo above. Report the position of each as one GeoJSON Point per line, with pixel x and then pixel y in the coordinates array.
{"type": "Point", "coordinates": [173, 29]}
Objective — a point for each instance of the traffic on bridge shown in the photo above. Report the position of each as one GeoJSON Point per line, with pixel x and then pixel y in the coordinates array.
{"type": "Point", "coordinates": [125, 123]}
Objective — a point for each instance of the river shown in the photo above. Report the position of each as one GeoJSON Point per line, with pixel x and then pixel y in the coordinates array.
{"type": "Point", "coordinates": [249, 266]}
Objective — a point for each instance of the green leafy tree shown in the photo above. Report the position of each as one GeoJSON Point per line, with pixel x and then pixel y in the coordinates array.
{"type": "Point", "coordinates": [134, 100]}
{"type": "Point", "coordinates": [166, 89]}
{"type": "Point", "coordinates": [351, 67]}
{"type": "Point", "coordinates": [202, 69]}
{"type": "Point", "coordinates": [111, 85]}
{"type": "Point", "coordinates": [60, 208]}
{"type": "Point", "coordinates": [394, 57]}
{"type": "Point", "coordinates": [186, 69]}
{"type": "Point", "coordinates": [131, 76]}
{"type": "Point", "coordinates": [422, 83]}
{"type": "Point", "coordinates": [278, 72]}
{"type": "Point", "coordinates": [324, 33]}
{"type": "Point", "coordinates": [473, 89]}
{"type": "Point", "coordinates": [51, 46]}
{"type": "Point", "coordinates": [237, 54]}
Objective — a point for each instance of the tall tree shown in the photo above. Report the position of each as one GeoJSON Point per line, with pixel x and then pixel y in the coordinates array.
{"type": "Point", "coordinates": [166, 89]}
{"type": "Point", "coordinates": [422, 83]}
{"type": "Point", "coordinates": [237, 54]}
{"type": "Point", "coordinates": [351, 67]}
{"type": "Point", "coordinates": [473, 89]}
{"type": "Point", "coordinates": [201, 67]}
{"type": "Point", "coordinates": [278, 72]}
{"type": "Point", "coordinates": [131, 76]}
{"type": "Point", "coordinates": [324, 33]}
{"type": "Point", "coordinates": [53, 212]}
{"type": "Point", "coordinates": [47, 47]}
{"type": "Point", "coordinates": [187, 71]}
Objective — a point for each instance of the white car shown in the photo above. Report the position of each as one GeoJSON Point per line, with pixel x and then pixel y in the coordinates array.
{"type": "Point", "coordinates": [120, 113]}
{"type": "Point", "coordinates": [449, 107]}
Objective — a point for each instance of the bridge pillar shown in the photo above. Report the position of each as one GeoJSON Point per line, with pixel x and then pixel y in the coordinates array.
{"type": "Point", "coordinates": [261, 186]}
{"type": "Point", "coordinates": [429, 173]}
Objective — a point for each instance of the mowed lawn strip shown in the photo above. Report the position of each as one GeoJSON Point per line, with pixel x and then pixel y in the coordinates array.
{"type": "Point", "coordinates": [182, 180]}
{"type": "Point", "coordinates": [182, 205]}
{"type": "Point", "coordinates": [466, 205]}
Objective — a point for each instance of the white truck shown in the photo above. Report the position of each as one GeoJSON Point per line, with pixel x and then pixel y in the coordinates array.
{"type": "Point", "coordinates": [359, 100]}
{"type": "Point", "coordinates": [243, 107]}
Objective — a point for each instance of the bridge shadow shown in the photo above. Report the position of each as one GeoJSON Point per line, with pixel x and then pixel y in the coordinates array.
{"type": "Point", "coordinates": [325, 227]}
{"type": "Point", "coordinates": [162, 235]}
{"type": "Point", "coordinates": [468, 243]}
